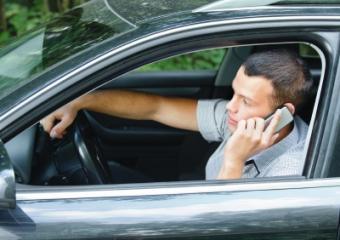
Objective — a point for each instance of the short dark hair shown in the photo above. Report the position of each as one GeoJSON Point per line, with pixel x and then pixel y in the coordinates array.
{"type": "Point", "coordinates": [289, 75]}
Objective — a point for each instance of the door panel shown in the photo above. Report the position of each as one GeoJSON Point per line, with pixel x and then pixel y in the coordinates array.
{"type": "Point", "coordinates": [289, 213]}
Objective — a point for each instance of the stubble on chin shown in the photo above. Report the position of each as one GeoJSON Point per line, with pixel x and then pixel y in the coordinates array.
{"type": "Point", "coordinates": [231, 128]}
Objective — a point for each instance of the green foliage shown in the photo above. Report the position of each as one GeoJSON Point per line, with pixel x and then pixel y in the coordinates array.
{"type": "Point", "coordinates": [307, 51]}
{"type": "Point", "coordinates": [203, 60]}
{"type": "Point", "coordinates": [24, 19]}
{"type": "Point", "coordinates": [4, 36]}
{"type": "Point", "coordinates": [21, 19]}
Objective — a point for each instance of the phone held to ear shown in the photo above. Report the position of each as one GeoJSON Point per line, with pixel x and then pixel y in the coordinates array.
{"type": "Point", "coordinates": [286, 118]}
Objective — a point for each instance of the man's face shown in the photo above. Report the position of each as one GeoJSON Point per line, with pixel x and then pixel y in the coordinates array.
{"type": "Point", "coordinates": [252, 98]}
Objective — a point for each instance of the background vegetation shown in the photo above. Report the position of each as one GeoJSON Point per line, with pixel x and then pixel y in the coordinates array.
{"type": "Point", "coordinates": [20, 16]}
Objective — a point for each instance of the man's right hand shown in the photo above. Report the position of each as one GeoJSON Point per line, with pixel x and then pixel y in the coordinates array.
{"type": "Point", "coordinates": [57, 122]}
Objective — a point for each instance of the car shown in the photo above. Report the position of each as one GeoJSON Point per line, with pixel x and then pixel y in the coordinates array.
{"type": "Point", "coordinates": [69, 188]}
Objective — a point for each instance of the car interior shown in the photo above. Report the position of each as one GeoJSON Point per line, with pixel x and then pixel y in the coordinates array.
{"type": "Point", "coordinates": [101, 149]}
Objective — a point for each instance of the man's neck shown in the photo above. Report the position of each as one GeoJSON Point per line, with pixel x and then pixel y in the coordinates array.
{"type": "Point", "coordinates": [285, 132]}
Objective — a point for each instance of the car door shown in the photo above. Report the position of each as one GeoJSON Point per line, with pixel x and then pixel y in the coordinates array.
{"type": "Point", "coordinates": [269, 208]}
{"type": "Point", "coordinates": [274, 209]}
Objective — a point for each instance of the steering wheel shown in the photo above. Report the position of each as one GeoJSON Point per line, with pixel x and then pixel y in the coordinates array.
{"type": "Point", "coordinates": [95, 167]}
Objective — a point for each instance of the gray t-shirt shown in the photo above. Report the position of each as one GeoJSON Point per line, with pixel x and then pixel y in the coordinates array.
{"type": "Point", "coordinates": [282, 159]}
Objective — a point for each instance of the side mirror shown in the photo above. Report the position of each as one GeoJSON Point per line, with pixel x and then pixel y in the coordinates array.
{"type": "Point", "coordinates": [7, 180]}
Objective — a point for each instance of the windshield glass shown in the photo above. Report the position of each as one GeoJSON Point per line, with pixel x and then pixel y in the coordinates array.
{"type": "Point", "coordinates": [72, 33]}
{"type": "Point", "coordinates": [63, 37]}
{"type": "Point", "coordinates": [141, 10]}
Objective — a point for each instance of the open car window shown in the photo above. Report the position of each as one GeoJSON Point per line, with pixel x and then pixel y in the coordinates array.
{"type": "Point", "coordinates": [138, 151]}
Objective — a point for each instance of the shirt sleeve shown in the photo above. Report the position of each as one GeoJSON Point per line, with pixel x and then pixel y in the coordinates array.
{"type": "Point", "coordinates": [211, 119]}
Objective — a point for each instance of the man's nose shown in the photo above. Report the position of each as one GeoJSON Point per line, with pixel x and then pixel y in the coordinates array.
{"type": "Point", "coordinates": [232, 106]}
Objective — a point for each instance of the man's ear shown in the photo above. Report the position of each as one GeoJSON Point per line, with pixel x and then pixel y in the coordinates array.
{"type": "Point", "coordinates": [290, 107]}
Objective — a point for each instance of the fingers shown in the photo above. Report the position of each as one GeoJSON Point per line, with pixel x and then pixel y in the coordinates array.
{"type": "Point", "coordinates": [259, 128]}
{"type": "Point", "coordinates": [58, 131]}
{"type": "Point", "coordinates": [251, 125]}
{"type": "Point", "coordinates": [269, 133]}
{"type": "Point", "coordinates": [256, 128]}
{"type": "Point", "coordinates": [65, 115]}
{"type": "Point", "coordinates": [251, 136]}
{"type": "Point", "coordinates": [47, 123]}
{"type": "Point", "coordinates": [241, 126]}
{"type": "Point", "coordinates": [274, 138]}
{"type": "Point", "coordinates": [250, 128]}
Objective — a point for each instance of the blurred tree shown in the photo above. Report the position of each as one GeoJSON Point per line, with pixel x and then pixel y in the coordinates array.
{"type": "Point", "coordinates": [54, 5]}
{"type": "Point", "coordinates": [3, 23]}
{"type": "Point", "coordinates": [201, 60]}
{"type": "Point", "coordinates": [26, 3]}
{"type": "Point", "coordinates": [19, 16]}
{"type": "Point", "coordinates": [59, 6]}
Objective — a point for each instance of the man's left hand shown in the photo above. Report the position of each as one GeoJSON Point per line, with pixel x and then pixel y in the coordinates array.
{"type": "Point", "coordinates": [249, 138]}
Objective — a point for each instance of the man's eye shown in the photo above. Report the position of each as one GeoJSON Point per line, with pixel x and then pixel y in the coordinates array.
{"type": "Point", "coordinates": [245, 101]}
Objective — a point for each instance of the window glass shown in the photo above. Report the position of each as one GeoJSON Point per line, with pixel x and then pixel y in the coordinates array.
{"type": "Point", "coordinates": [64, 37]}
{"type": "Point", "coordinates": [202, 60]}
{"type": "Point", "coordinates": [307, 51]}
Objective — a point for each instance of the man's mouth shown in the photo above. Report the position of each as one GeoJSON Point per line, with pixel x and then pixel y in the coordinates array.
{"type": "Point", "coordinates": [232, 121]}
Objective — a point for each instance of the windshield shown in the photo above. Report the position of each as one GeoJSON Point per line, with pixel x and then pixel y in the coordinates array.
{"type": "Point", "coordinates": [141, 10]}
{"type": "Point", "coordinates": [73, 32]}
{"type": "Point", "coordinates": [63, 37]}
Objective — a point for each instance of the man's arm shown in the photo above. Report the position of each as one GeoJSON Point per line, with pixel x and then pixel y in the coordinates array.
{"type": "Point", "coordinates": [175, 112]}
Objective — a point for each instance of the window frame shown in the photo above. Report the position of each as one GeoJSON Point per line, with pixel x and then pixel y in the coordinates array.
{"type": "Point", "coordinates": [186, 186]}
{"type": "Point", "coordinates": [89, 87]}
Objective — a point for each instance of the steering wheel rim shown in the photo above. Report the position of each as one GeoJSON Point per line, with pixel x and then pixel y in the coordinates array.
{"type": "Point", "coordinates": [96, 168]}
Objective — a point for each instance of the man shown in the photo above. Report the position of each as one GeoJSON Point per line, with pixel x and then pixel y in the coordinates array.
{"type": "Point", "coordinates": [264, 82]}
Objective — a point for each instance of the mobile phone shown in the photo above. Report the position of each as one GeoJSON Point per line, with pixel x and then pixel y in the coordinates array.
{"type": "Point", "coordinates": [286, 118]}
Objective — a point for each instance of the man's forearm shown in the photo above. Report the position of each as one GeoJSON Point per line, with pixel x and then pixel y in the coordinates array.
{"type": "Point", "coordinates": [171, 111]}
{"type": "Point", "coordinates": [125, 104]}
{"type": "Point", "coordinates": [174, 112]}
